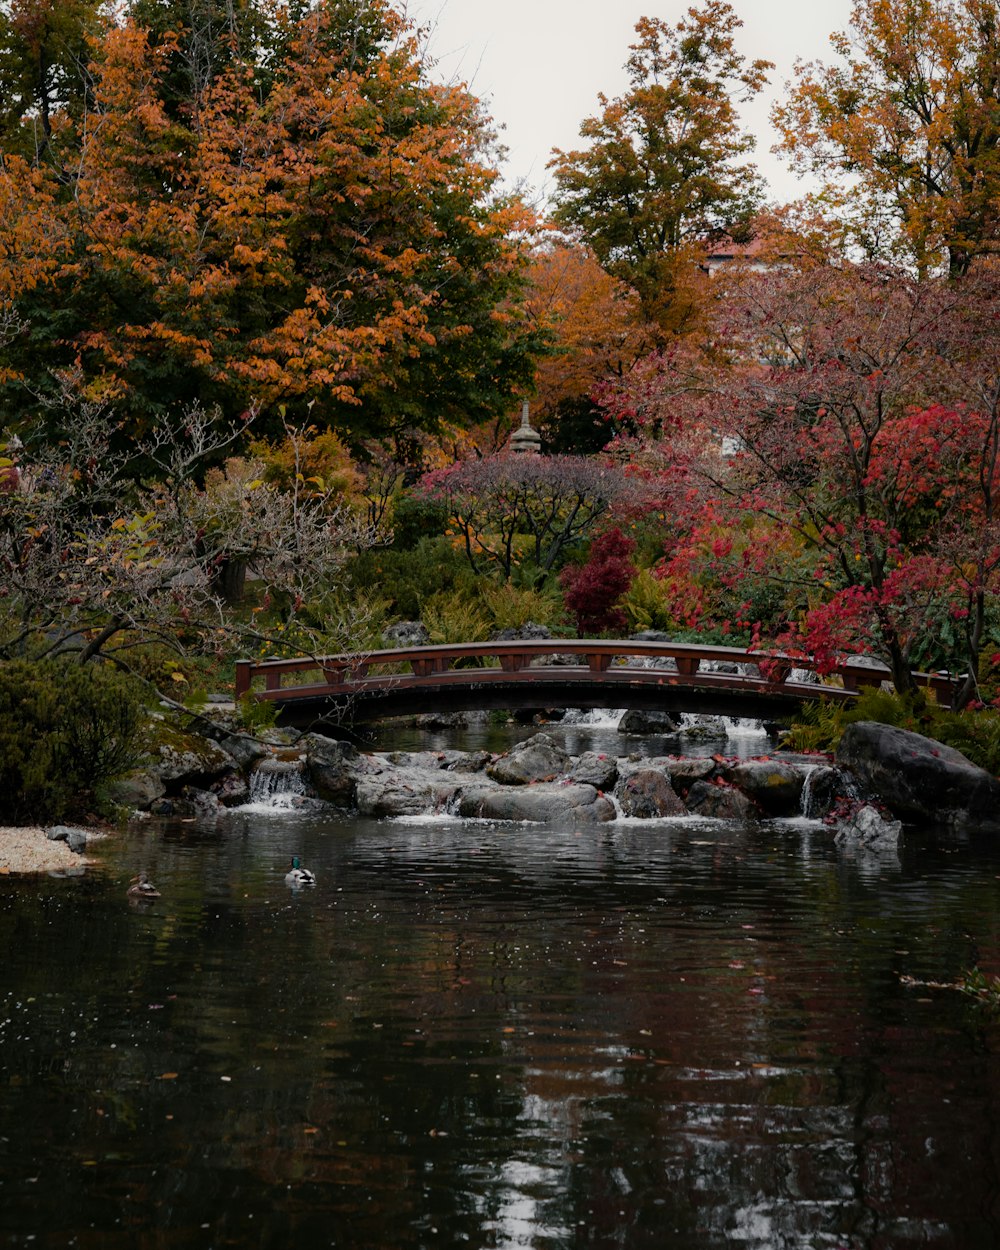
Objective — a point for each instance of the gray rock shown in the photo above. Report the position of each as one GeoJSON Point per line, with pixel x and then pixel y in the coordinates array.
{"type": "Point", "coordinates": [406, 634]}
{"type": "Point", "coordinates": [643, 721]}
{"type": "Point", "coordinates": [697, 727]}
{"type": "Point", "coordinates": [594, 769]}
{"type": "Point", "coordinates": [231, 790]}
{"type": "Point", "coordinates": [451, 720]}
{"type": "Point", "coordinates": [404, 792]}
{"type": "Point", "coordinates": [333, 768]}
{"type": "Point", "coordinates": [543, 804]}
{"type": "Point", "coordinates": [918, 778]}
{"type": "Point", "coordinates": [187, 759]}
{"type": "Point", "coordinates": [137, 790]}
{"type": "Point", "coordinates": [243, 748]}
{"type": "Point", "coordinates": [721, 802]}
{"type": "Point", "coordinates": [450, 761]}
{"type": "Point", "coordinates": [646, 793]}
{"type": "Point", "coordinates": [867, 827]}
{"type": "Point", "coordinates": [775, 785]}
{"type": "Point", "coordinates": [538, 758]}
{"type": "Point", "coordinates": [74, 837]}
{"type": "Point", "coordinates": [684, 770]}
{"type": "Point", "coordinates": [202, 802]}
{"type": "Point", "coordinates": [528, 632]}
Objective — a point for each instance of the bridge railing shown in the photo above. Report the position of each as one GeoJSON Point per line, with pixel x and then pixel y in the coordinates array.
{"type": "Point", "coordinates": [340, 674]}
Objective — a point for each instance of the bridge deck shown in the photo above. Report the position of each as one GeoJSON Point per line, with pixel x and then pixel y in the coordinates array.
{"type": "Point", "coordinates": [550, 673]}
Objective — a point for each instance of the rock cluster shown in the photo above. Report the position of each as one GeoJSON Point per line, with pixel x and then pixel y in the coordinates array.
{"type": "Point", "coordinates": [880, 777]}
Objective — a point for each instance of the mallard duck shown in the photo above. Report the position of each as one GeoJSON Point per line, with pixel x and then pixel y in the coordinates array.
{"type": "Point", "coordinates": [297, 875]}
{"type": "Point", "coordinates": [142, 887]}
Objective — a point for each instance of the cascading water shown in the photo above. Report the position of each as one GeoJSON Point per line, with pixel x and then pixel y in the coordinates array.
{"type": "Point", "coordinates": [822, 782]}
{"type": "Point", "coordinates": [276, 785]}
{"type": "Point", "coordinates": [593, 718]}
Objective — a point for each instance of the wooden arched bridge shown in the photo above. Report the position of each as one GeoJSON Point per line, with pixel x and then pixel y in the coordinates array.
{"type": "Point", "coordinates": [667, 676]}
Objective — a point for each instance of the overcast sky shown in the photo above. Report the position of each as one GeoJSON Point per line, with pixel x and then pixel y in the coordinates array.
{"type": "Point", "coordinates": [539, 64]}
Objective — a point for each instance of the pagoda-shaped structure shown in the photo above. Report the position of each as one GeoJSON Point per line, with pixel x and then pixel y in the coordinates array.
{"type": "Point", "coordinates": [525, 438]}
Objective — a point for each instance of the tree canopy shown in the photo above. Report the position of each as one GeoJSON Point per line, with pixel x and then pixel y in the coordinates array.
{"type": "Point", "coordinates": [662, 167]}
{"type": "Point", "coordinates": [908, 120]}
{"type": "Point", "coordinates": [306, 223]}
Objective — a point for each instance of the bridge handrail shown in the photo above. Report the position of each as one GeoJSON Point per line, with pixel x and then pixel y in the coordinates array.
{"type": "Point", "coordinates": [346, 669]}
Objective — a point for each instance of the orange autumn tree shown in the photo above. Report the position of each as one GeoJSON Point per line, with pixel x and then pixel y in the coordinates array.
{"type": "Point", "coordinates": [325, 237]}
{"type": "Point", "coordinates": [598, 333]}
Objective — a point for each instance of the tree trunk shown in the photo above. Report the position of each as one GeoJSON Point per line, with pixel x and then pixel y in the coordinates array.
{"type": "Point", "coordinates": [229, 580]}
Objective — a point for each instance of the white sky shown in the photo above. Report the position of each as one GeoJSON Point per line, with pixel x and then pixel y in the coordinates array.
{"type": "Point", "coordinates": [539, 64]}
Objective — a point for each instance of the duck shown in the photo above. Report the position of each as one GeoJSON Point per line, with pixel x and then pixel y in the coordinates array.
{"type": "Point", "coordinates": [142, 887]}
{"type": "Point", "coordinates": [297, 875]}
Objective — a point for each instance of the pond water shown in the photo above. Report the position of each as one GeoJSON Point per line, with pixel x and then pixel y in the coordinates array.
{"type": "Point", "coordinates": [670, 1033]}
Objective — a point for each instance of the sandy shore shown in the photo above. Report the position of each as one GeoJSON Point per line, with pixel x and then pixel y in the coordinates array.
{"type": "Point", "coordinates": [27, 849]}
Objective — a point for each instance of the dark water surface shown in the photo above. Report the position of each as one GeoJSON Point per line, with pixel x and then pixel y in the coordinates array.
{"type": "Point", "coordinates": [653, 1034]}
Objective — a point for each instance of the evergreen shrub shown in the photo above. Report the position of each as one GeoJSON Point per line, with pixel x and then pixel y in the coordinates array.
{"type": "Point", "coordinates": [66, 730]}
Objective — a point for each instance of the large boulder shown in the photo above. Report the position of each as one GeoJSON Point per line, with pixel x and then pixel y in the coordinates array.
{"type": "Point", "coordinates": [699, 726]}
{"type": "Point", "coordinates": [538, 758]}
{"type": "Point", "coordinates": [647, 721]}
{"type": "Point", "coordinates": [595, 769]}
{"type": "Point", "coordinates": [244, 748]}
{"type": "Point", "coordinates": [404, 792]}
{"type": "Point", "coordinates": [452, 720]}
{"type": "Point", "coordinates": [137, 790]}
{"type": "Point", "coordinates": [546, 803]}
{"type": "Point", "coordinates": [333, 767]}
{"type": "Point", "coordinates": [918, 778]}
{"type": "Point", "coordinates": [685, 770]}
{"type": "Point", "coordinates": [775, 785]}
{"type": "Point", "coordinates": [647, 793]}
{"type": "Point", "coordinates": [721, 802]}
{"type": "Point", "coordinates": [452, 761]}
{"type": "Point", "coordinates": [178, 758]}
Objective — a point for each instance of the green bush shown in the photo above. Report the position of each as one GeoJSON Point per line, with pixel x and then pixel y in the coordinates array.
{"type": "Point", "coordinates": [509, 607]}
{"type": "Point", "coordinates": [414, 519]}
{"type": "Point", "coordinates": [65, 732]}
{"type": "Point", "coordinates": [408, 578]}
{"type": "Point", "coordinates": [454, 617]}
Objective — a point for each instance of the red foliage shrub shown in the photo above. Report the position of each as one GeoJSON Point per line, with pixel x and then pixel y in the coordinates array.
{"type": "Point", "coordinates": [592, 590]}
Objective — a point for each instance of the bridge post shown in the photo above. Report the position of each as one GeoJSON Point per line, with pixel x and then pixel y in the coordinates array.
{"type": "Point", "coordinates": [243, 678]}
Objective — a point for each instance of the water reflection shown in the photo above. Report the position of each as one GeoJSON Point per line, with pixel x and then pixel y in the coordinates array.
{"type": "Point", "coordinates": [661, 1033]}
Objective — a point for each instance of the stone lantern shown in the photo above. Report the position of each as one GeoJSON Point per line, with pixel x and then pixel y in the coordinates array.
{"type": "Point", "coordinates": [525, 438]}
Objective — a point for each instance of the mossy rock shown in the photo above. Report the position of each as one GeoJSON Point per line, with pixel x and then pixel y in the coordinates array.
{"type": "Point", "coordinates": [181, 758]}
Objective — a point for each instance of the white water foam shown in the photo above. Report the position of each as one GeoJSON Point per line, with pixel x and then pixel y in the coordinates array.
{"type": "Point", "coordinates": [592, 718]}
{"type": "Point", "coordinates": [276, 786]}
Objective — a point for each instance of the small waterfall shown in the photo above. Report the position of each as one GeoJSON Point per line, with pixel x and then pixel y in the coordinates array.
{"type": "Point", "coordinates": [696, 725]}
{"type": "Point", "coordinates": [276, 785]}
{"type": "Point", "coordinates": [822, 784]}
{"type": "Point", "coordinates": [807, 800]}
{"type": "Point", "coordinates": [593, 718]}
